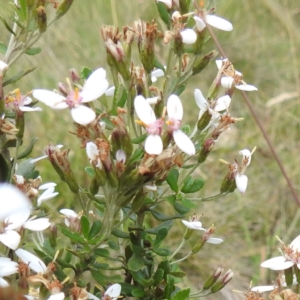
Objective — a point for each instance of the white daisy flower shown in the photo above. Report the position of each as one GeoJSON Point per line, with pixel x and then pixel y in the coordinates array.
{"type": "Point", "coordinates": [94, 87]}
{"type": "Point", "coordinates": [175, 114]}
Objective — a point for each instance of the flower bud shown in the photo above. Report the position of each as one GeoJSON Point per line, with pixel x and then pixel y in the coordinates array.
{"type": "Point", "coordinates": [41, 19]}
{"type": "Point", "coordinates": [60, 162]}
{"type": "Point", "coordinates": [53, 235]}
{"type": "Point", "coordinates": [212, 279]}
{"type": "Point", "coordinates": [205, 149]}
{"type": "Point", "coordinates": [198, 246]}
{"type": "Point", "coordinates": [221, 283]}
{"type": "Point", "coordinates": [204, 120]}
{"type": "Point", "coordinates": [203, 61]}
{"type": "Point", "coordinates": [63, 8]}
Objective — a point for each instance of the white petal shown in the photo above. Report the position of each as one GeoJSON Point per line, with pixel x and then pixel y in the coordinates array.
{"type": "Point", "coordinates": [3, 283]}
{"type": "Point", "coordinates": [120, 155]}
{"type": "Point", "coordinates": [246, 87]}
{"type": "Point", "coordinates": [12, 199]}
{"type": "Point", "coordinates": [174, 108]}
{"type": "Point", "coordinates": [68, 213]}
{"type": "Point", "coordinates": [219, 23]}
{"type": "Point", "coordinates": [11, 268]}
{"type": "Point", "coordinates": [227, 82]}
{"type": "Point", "coordinates": [263, 288]}
{"type": "Point", "coordinates": [91, 150]}
{"type": "Point", "coordinates": [222, 103]}
{"type": "Point", "coordinates": [34, 160]}
{"type": "Point", "coordinates": [59, 296]}
{"type": "Point", "coordinates": [51, 99]}
{"type": "Point", "coordinates": [27, 100]}
{"type": "Point", "coordinates": [17, 218]}
{"type": "Point", "coordinates": [47, 195]}
{"type": "Point", "coordinates": [19, 179]}
{"type": "Point", "coordinates": [214, 241]}
{"type": "Point", "coordinates": [37, 224]}
{"type": "Point", "coordinates": [34, 262]}
{"type": "Point", "coordinates": [10, 239]}
{"type": "Point", "coordinates": [110, 91]}
{"type": "Point", "coordinates": [95, 86]}
{"type": "Point", "coordinates": [197, 225]}
{"type": "Point", "coordinates": [152, 100]}
{"type": "Point", "coordinates": [91, 296]}
{"type": "Point", "coordinates": [246, 155]}
{"type": "Point", "coordinates": [156, 73]}
{"type": "Point", "coordinates": [199, 23]}
{"type": "Point", "coordinates": [277, 263]}
{"type": "Point", "coordinates": [83, 115]}
{"type": "Point", "coordinates": [113, 291]}
{"type": "Point", "coordinates": [47, 185]}
{"type": "Point", "coordinates": [143, 110]}
{"type": "Point", "coordinates": [188, 36]}
{"type": "Point", "coordinates": [295, 244]}
{"type": "Point", "coordinates": [153, 144]}
{"type": "Point", "coordinates": [200, 100]}
{"type": "Point", "coordinates": [183, 142]}
{"type": "Point", "coordinates": [219, 62]}
{"type": "Point", "coordinates": [4, 66]}
{"type": "Point", "coordinates": [28, 108]}
{"type": "Point", "coordinates": [241, 182]}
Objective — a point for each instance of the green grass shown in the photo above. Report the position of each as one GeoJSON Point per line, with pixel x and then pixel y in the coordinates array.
{"type": "Point", "coordinates": [264, 46]}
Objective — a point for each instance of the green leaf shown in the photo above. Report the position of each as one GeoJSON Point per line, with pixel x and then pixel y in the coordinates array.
{"type": "Point", "coordinates": [154, 230]}
{"type": "Point", "coordinates": [28, 150]}
{"type": "Point", "coordinates": [103, 279]}
{"type": "Point", "coordinates": [136, 156]}
{"type": "Point", "coordinates": [186, 129]}
{"type": "Point", "coordinates": [171, 199]}
{"type": "Point", "coordinates": [172, 179]}
{"type": "Point", "coordinates": [95, 229]}
{"type": "Point", "coordinates": [158, 276]}
{"type": "Point", "coordinates": [102, 266]}
{"type": "Point", "coordinates": [25, 168]}
{"type": "Point", "coordinates": [119, 99]}
{"type": "Point", "coordinates": [135, 263]}
{"type": "Point", "coordinates": [18, 76]}
{"type": "Point", "coordinates": [3, 48]}
{"type": "Point", "coordinates": [161, 251]}
{"type": "Point", "coordinates": [181, 208]}
{"type": "Point", "coordinates": [102, 252]}
{"type": "Point", "coordinates": [179, 90]}
{"type": "Point", "coordinates": [178, 274]}
{"type": "Point", "coordinates": [72, 235]}
{"type": "Point", "coordinates": [139, 139]}
{"type": "Point", "coordinates": [161, 234]}
{"type": "Point", "coordinates": [4, 168]}
{"type": "Point", "coordinates": [159, 65]}
{"type": "Point", "coordinates": [164, 14]}
{"type": "Point", "coordinates": [85, 226]}
{"type": "Point", "coordinates": [191, 186]}
{"type": "Point", "coordinates": [85, 72]}
{"type": "Point", "coordinates": [22, 12]}
{"type": "Point", "coordinates": [170, 287]}
{"type": "Point", "coordinates": [120, 234]}
{"type": "Point", "coordinates": [33, 51]}
{"type": "Point", "coordinates": [161, 217]}
{"type": "Point", "coordinates": [181, 295]}
{"type": "Point", "coordinates": [7, 26]}
{"type": "Point", "coordinates": [90, 171]}
{"type": "Point", "coordinates": [113, 245]}
{"type": "Point", "coordinates": [138, 293]}
{"type": "Point", "coordinates": [188, 203]}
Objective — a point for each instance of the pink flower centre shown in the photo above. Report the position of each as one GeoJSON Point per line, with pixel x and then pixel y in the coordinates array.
{"type": "Point", "coordinates": [293, 255]}
{"type": "Point", "coordinates": [174, 124]}
{"type": "Point", "coordinates": [73, 99]}
{"type": "Point", "coordinates": [155, 128]}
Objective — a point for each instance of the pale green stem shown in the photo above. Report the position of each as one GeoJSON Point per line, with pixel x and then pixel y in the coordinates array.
{"type": "Point", "coordinates": [182, 259]}
{"type": "Point", "coordinates": [206, 199]}
{"type": "Point", "coordinates": [178, 249]}
{"type": "Point", "coordinates": [114, 12]}
{"type": "Point", "coordinates": [78, 195]}
{"type": "Point", "coordinates": [15, 159]}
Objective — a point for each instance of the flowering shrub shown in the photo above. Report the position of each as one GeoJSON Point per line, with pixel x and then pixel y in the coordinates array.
{"type": "Point", "coordinates": [140, 158]}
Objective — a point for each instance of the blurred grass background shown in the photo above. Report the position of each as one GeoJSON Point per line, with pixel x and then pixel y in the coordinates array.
{"type": "Point", "coordinates": [264, 46]}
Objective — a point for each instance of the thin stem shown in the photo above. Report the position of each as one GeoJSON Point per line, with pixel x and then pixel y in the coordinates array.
{"type": "Point", "coordinates": [181, 259]}
{"type": "Point", "coordinates": [78, 195]}
{"type": "Point", "coordinates": [114, 12]}
{"type": "Point", "coordinates": [178, 249]}
{"type": "Point", "coordinates": [262, 129]}
{"type": "Point", "coordinates": [18, 144]}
